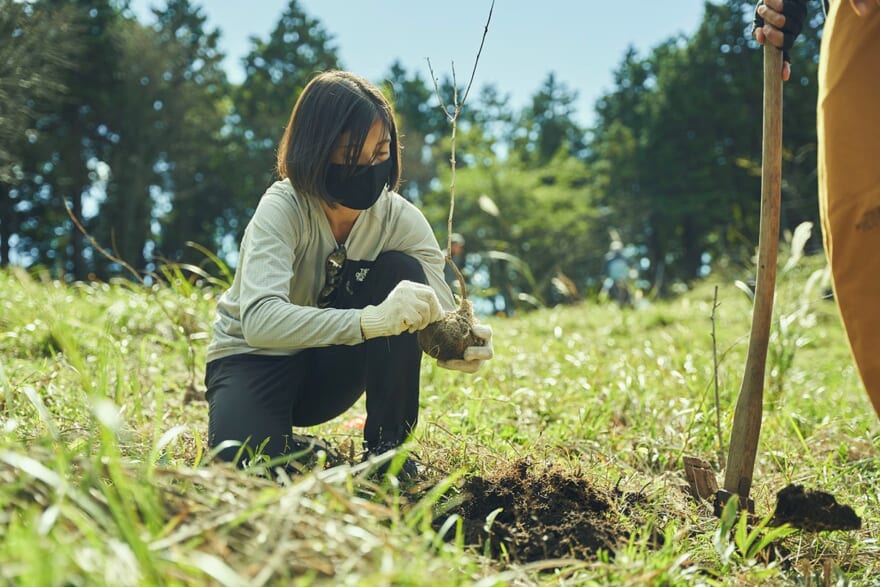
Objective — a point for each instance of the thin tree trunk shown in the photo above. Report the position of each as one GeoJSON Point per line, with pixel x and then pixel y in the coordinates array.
{"type": "Point", "coordinates": [7, 221]}
{"type": "Point", "coordinates": [692, 253]}
{"type": "Point", "coordinates": [656, 257]}
{"type": "Point", "coordinates": [80, 271]}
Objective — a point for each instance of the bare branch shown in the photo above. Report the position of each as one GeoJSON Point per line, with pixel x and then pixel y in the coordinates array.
{"type": "Point", "coordinates": [479, 52]}
{"type": "Point", "coordinates": [110, 256]}
{"type": "Point", "coordinates": [437, 91]}
{"type": "Point", "coordinates": [143, 282]}
{"type": "Point", "coordinates": [453, 118]}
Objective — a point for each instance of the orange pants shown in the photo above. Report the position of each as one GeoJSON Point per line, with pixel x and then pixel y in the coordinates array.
{"type": "Point", "coordinates": [849, 178]}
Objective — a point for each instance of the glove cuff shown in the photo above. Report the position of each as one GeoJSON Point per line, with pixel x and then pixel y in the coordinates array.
{"type": "Point", "coordinates": [371, 322]}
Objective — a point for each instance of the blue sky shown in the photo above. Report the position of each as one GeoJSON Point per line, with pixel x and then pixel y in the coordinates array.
{"type": "Point", "coordinates": [581, 41]}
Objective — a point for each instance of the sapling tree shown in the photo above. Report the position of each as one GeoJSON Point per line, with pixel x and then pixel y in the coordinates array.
{"type": "Point", "coordinates": [449, 337]}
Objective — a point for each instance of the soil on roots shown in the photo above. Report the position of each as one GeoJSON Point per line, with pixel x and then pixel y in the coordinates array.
{"type": "Point", "coordinates": [540, 515]}
{"type": "Point", "coordinates": [450, 336]}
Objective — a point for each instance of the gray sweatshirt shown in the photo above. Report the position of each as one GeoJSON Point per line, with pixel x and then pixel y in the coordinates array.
{"type": "Point", "coordinates": [270, 309]}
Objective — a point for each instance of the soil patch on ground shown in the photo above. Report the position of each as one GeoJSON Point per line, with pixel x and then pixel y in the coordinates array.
{"type": "Point", "coordinates": [525, 515]}
{"type": "Point", "coordinates": [813, 510]}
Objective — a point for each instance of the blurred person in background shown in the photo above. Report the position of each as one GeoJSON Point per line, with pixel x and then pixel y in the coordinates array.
{"type": "Point", "coordinates": [617, 274]}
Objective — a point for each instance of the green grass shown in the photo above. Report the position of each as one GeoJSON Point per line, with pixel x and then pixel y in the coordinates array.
{"type": "Point", "coordinates": [106, 479]}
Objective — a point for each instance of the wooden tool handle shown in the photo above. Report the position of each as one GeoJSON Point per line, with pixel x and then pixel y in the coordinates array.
{"type": "Point", "coordinates": [749, 406]}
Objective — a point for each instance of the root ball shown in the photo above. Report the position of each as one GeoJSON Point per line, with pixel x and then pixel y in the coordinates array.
{"type": "Point", "coordinates": [448, 338]}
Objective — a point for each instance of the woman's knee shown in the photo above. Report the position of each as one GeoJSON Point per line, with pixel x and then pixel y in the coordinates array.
{"type": "Point", "coordinates": [395, 266]}
{"type": "Point", "coordinates": [249, 405]}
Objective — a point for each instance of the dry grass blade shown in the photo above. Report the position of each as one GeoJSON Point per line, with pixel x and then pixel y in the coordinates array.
{"type": "Point", "coordinates": [314, 525]}
{"type": "Point", "coordinates": [211, 566]}
{"type": "Point", "coordinates": [42, 485]}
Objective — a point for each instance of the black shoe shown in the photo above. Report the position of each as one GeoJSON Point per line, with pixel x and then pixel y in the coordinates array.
{"type": "Point", "coordinates": [309, 451]}
{"type": "Point", "coordinates": [406, 471]}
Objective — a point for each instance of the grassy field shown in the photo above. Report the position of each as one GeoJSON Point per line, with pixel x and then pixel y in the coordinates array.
{"type": "Point", "coordinates": [577, 429]}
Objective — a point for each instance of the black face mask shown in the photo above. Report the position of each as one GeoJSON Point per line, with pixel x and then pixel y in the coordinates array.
{"type": "Point", "coordinates": [361, 189]}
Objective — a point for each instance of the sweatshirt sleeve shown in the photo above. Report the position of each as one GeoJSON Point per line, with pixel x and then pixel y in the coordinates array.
{"type": "Point", "coordinates": [413, 235]}
{"type": "Point", "coordinates": [269, 320]}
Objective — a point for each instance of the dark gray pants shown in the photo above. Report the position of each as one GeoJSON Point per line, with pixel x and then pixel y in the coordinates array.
{"type": "Point", "coordinates": [257, 399]}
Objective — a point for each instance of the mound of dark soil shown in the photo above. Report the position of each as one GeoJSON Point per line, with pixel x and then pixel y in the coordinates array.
{"type": "Point", "coordinates": [813, 510]}
{"type": "Point", "coordinates": [543, 515]}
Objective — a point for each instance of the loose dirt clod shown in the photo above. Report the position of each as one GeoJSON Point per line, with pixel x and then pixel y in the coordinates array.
{"type": "Point", "coordinates": [813, 510]}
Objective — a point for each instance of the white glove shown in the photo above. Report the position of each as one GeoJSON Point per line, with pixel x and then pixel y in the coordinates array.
{"type": "Point", "coordinates": [473, 355]}
{"type": "Point", "coordinates": [408, 308]}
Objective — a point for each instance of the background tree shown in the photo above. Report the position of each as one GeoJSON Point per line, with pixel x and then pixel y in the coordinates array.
{"type": "Point", "coordinates": [196, 199]}
{"type": "Point", "coordinates": [496, 119]}
{"type": "Point", "coordinates": [37, 47]}
{"type": "Point", "coordinates": [421, 125]}
{"type": "Point", "coordinates": [677, 144]}
{"type": "Point", "coordinates": [525, 227]}
{"type": "Point", "coordinates": [277, 70]}
{"type": "Point", "coordinates": [152, 146]}
{"type": "Point", "coordinates": [139, 126]}
{"type": "Point", "coordinates": [617, 155]}
{"type": "Point", "coordinates": [81, 138]}
{"type": "Point", "coordinates": [547, 125]}
{"type": "Point", "coordinates": [799, 183]}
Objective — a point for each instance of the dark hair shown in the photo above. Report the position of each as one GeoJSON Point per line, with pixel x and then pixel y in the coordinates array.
{"type": "Point", "coordinates": [333, 103]}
